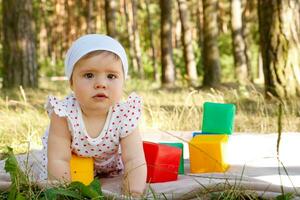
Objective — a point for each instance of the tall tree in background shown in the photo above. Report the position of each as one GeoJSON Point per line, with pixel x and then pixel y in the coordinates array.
{"type": "Point", "coordinates": [168, 69]}
{"type": "Point", "coordinates": [129, 21]}
{"type": "Point", "coordinates": [212, 74]}
{"type": "Point", "coordinates": [279, 29]}
{"type": "Point", "coordinates": [187, 41]}
{"type": "Point", "coordinates": [199, 29]}
{"type": "Point", "coordinates": [150, 35]}
{"type": "Point", "coordinates": [249, 19]}
{"type": "Point", "coordinates": [110, 17]}
{"type": "Point", "coordinates": [223, 15]}
{"type": "Point", "coordinates": [90, 16]}
{"type": "Point", "coordinates": [240, 61]}
{"type": "Point", "coordinates": [19, 53]}
{"type": "Point", "coordinates": [136, 38]}
{"type": "Point", "coordinates": [58, 36]}
{"type": "Point", "coordinates": [44, 31]}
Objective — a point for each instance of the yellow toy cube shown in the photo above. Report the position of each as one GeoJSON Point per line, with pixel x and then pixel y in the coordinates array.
{"type": "Point", "coordinates": [82, 169]}
{"type": "Point", "coordinates": [208, 153]}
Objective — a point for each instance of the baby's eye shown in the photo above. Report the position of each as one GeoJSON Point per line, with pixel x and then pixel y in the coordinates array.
{"type": "Point", "coordinates": [111, 76]}
{"type": "Point", "coordinates": [88, 75]}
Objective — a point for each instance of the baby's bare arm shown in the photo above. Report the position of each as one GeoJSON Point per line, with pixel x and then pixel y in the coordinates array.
{"type": "Point", "coordinates": [135, 165]}
{"type": "Point", "coordinates": [59, 149]}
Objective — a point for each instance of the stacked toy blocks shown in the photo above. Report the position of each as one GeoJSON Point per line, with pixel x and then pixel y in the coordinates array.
{"type": "Point", "coordinates": [207, 153]}
{"type": "Point", "coordinates": [82, 169]}
{"type": "Point", "coordinates": [218, 118]}
{"type": "Point", "coordinates": [208, 148]}
{"type": "Point", "coordinates": [162, 162]}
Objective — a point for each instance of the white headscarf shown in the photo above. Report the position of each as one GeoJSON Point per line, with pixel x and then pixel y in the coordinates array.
{"type": "Point", "coordinates": [93, 42]}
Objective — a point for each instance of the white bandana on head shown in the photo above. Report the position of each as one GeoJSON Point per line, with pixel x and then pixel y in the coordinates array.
{"type": "Point", "coordinates": [93, 42]}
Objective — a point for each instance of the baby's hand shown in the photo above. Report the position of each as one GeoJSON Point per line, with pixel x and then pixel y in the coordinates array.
{"type": "Point", "coordinates": [48, 183]}
{"type": "Point", "coordinates": [4, 185]}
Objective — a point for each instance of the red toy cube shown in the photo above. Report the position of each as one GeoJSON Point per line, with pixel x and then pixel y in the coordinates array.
{"type": "Point", "coordinates": [162, 162]}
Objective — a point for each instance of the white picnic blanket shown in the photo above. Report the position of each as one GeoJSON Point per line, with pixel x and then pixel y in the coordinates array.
{"type": "Point", "coordinates": [253, 167]}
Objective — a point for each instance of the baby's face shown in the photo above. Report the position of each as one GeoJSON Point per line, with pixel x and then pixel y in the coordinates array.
{"type": "Point", "coordinates": [97, 81]}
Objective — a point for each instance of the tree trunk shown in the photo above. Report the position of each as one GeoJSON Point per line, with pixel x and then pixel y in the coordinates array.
{"type": "Point", "coordinates": [136, 38]}
{"type": "Point", "coordinates": [19, 52]}
{"type": "Point", "coordinates": [238, 44]}
{"type": "Point", "coordinates": [43, 32]}
{"type": "Point", "coordinates": [249, 18]}
{"type": "Point", "coordinates": [212, 75]}
{"type": "Point", "coordinates": [199, 24]}
{"type": "Point", "coordinates": [168, 69]}
{"type": "Point", "coordinates": [176, 33]}
{"type": "Point", "coordinates": [279, 29]}
{"type": "Point", "coordinates": [110, 17]}
{"type": "Point", "coordinates": [129, 22]}
{"type": "Point", "coordinates": [90, 17]}
{"type": "Point", "coordinates": [150, 35]}
{"type": "Point", "coordinates": [223, 15]}
{"type": "Point", "coordinates": [81, 7]}
{"type": "Point", "coordinates": [100, 7]}
{"type": "Point", "coordinates": [260, 70]}
{"type": "Point", "coordinates": [187, 41]}
{"type": "Point", "coordinates": [58, 35]}
{"type": "Point", "coordinates": [199, 20]}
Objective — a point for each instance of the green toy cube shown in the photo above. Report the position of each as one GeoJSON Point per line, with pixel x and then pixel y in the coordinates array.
{"type": "Point", "coordinates": [218, 118]}
{"type": "Point", "coordinates": [180, 146]}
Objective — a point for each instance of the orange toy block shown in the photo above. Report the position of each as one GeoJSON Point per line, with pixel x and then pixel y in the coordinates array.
{"type": "Point", "coordinates": [82, 169]}
{"type": "Point", "coordinates": [208, 153]}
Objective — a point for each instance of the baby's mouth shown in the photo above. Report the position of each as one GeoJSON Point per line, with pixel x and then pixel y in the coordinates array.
{"type": "Point", "coordinates": [100, 96]}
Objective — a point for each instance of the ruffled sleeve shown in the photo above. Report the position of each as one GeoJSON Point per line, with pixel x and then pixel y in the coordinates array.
{"type": "Point", "coordinates": [130, 115]}
{"type": "Point", "coordinates": [55, 105]}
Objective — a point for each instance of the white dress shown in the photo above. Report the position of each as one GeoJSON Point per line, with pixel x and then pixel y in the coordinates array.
{"type": "Point", "coordinates": [121, 120]}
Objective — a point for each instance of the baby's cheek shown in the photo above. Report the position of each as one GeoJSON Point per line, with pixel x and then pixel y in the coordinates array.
{"type": "Point", "coordinates": [119, 94]}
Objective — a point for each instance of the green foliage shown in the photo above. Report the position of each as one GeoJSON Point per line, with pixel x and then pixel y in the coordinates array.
{"type": "Point", "coordinates": [179, 62]}
{"type": "Point", "coordinates": [50, 67]}
{"type": "Point", "coordinates": [286, 196]}
{"type": "Point", "coordinates": [226, 59]}
{"type": "Point", "coordinates": [76, 190]}
{"type": "Point", "coordinates": [11, 166]}
{"type": "Point", "coordinates": [22, 188]}
{"type": "Point", "coordinates": [148, 67]}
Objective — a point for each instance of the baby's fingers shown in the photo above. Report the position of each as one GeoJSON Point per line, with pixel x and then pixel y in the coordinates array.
{"type": "Point", "coordinates": [4, 177]}
{"type": "Point", "coordinates": [48, 184]}
{"type": "Point", "coordinates": [4, 185]}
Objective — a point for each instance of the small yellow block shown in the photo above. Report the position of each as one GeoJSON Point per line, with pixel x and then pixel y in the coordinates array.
{"type": "Point", "coordinates": [208, 153]}
{"type": "Point", "coordinates": [82, 169]}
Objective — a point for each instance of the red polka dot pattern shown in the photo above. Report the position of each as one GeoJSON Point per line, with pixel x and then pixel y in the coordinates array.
{"type": "Point", "coordinates": [105, 148]}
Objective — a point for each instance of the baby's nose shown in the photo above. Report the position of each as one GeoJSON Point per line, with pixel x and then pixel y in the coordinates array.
{"type": "Point", "coordinates": [100, 83]}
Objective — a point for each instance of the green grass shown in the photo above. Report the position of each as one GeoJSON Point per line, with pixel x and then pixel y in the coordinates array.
{"type": "Point", "coordinates": [23, 120]}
